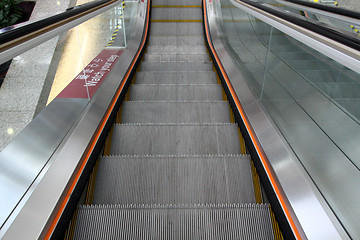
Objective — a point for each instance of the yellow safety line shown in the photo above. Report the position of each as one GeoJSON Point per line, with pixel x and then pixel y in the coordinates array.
{"type": "Point", "coordinates": [176, 20]}
{"type": "Point", "coordinates": [242, 142]}
{"type": "Point", "coordinates": [91, 184]}
{"type": "Point", "coordinates": [277, 232]}
{"type": "Point", "coordinates": [232, 117]}
{"type": "Point", "coordinates": [256, 181]}
{"type": "Point", "coordinates": [355, 29]}
{"type": "Point", "coordinates": [69, 235]}
{"type": "Point", "coordinates": [107, 147]}
{"type": "Point", "coordinates": [176, 6]}
{"type": "Point", "coordinates": [351, 26]}
{"type": "Point", "coordinates": [116, 28]}
{"type": "Point", "coordinates": [127, 94]}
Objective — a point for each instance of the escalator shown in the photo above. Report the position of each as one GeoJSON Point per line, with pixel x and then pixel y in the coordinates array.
{"type": "Point", "coordinates": [158, 150]}
{"type": "Point", "coordinates": [175, 168]}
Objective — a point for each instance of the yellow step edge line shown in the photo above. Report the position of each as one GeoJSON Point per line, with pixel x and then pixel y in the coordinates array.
{"type": "Point", "coordinates": [71, 228]}
{"type": "Point", "coordinates": [242, 141]}
{"type": "Point", "coordinates": [176, 6]}
{"type": "Point", "coordinates": [276, 230]}
{"type": "Point", "coordinates": [179, 20]}
{"type": "Point", "coordinates": [92, 183]}
{"type": "Point", "coordinates": [256, 182]}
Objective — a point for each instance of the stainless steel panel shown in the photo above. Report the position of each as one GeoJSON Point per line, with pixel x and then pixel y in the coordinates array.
{"type": "Point", "coordinates": [305, 204]}
{"type": "Point", "coordinates": [50, 192]}
{"type": "Point", "coordinates": [24, 158]}
{"type": "Point", "coordinates": [345, 55]}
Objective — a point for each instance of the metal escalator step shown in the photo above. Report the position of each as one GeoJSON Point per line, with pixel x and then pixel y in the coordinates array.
{"type": "Point", "coordinates": [177, 2]}
{"type": "Point", "coordinates": [177, 28]}
{"type": "Point", "coordinates": [175, 112]}
{"type": "Point", "coordinates": [153, 57]}
{"type": "Point", "coordinates": [175, 139]}
{"type": "Point", "coordinates": [175, 92]}
{"type": "Point", "coordinates": [174, 180]}
{"type": "Point", "coordinates": [204, 77]}
{"type": "Point", "coordinates": [176, 13]}
{"type": "Point", "coordinates": [177, 66]}
{"type": "Point", "coordinates": [176, 40]}
{"type": "Point", "coordinates": [235, 221]}
{"type": "Point", "coordinates": [173, 49]}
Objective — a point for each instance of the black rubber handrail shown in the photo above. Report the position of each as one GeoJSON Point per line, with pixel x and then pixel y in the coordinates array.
{"type": "Point", "coordinates": [41, 24]}
{"type": "Point", "coordinates": [328, 31]}
{"type": "Point", "coordinates": [335, 10]}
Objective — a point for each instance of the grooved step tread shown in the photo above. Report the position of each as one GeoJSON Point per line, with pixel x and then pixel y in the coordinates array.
{"type": "Point", "coordinates": [175, 92]}
{"type": "Point", "coordinates": [177, 66]}
{"type": "Point", "coordinates": [200, 77]}
{"type": "Point", "coordinates": [177, 13]}
{"type": "Point", "coordinates": [175, 139]}
{"type": "Point", "coordinates": [177, 28]}
{"type": "Point", "coordinates": [244, 221]}
{"type": "Point", "coordinates": [176, 40]}
{"type": "Point", "coordinates": [174, 180]}
{"type": "Point", "coordinates": [177, 49]}
{"type": "Point", "coordinates": [153, 57]}
{"type": "Point", "coordinates": [175, 112]}
{"type": "Point", "coordinates": [179, 3]}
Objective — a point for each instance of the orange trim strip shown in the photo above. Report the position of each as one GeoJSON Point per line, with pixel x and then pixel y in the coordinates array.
{"type": "Point", "coordinates": [97, 133]}
{"type": "Point", "coordinates": [250, 130]}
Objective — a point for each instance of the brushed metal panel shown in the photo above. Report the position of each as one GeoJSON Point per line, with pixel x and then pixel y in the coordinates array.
{"type": "Point", "coordinates": [306, 205]}
{"type": "Point", "coordinates": [23, 159]}
{"type": "Point", "coordinates": [47, 197]}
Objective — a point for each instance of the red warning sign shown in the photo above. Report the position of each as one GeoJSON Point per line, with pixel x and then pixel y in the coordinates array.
{"type": "Point", "coordinates": [89, 80]}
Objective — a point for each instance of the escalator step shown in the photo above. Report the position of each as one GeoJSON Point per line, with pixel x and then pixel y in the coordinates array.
{"type": "Point", "coordinates": [175, 139]}
{"type": "Point", "coordinates": [177, 13]}
{"type": "Point", "coordinates": [173, 49]}
{"type": "Point", "coordinates": [172, 92]}
{"type": "Point", "coordinates": [152, 57]}
{"type": "Point", "coordinates": [243, 221]}
{"type": "Point", "coordinates": [176, 40]}
{"type": "Point", "coordinates": [174, 180]}
{"type": "Point", "coordinates": [177, 66]}
{"type": "Point", "coordinates": [176, 77]}
{"type": "Point", "coordinates": [177, 28]}
{"type": "Point", "coordinates": [176, 3]}
{"type": "Point", "coordinates": [175, 112]}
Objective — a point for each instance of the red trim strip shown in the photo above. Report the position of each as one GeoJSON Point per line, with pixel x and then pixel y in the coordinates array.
{"type": "Point", "coordinates": [250, 130]}
{"type": "Point", "coordinates": [98, 132]}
